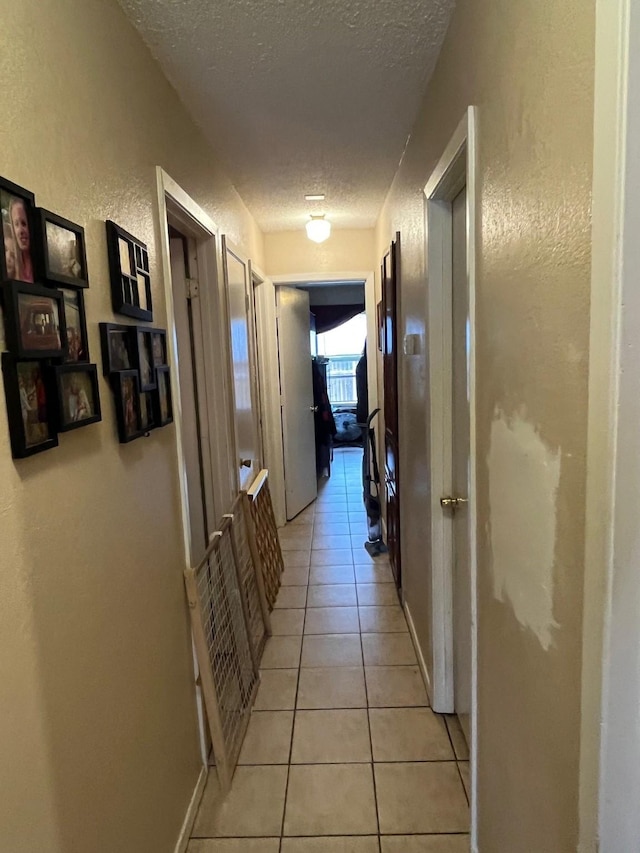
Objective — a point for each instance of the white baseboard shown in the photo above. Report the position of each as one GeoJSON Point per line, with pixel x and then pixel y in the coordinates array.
{"type": "Point", "coordinates": [187, 826]}
{"type": "Point", "coordinates": [421, 661]}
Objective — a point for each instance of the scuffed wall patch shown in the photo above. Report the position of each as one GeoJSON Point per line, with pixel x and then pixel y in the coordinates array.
{"type": "Point", "coordinates": [524, 474]}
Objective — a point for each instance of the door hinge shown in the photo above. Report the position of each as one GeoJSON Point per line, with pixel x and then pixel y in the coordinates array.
{"type": "Point", "coordinates": [192, 288]}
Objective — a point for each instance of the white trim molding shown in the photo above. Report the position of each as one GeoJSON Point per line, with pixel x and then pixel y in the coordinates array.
{"type": "Point", "coordinates": [187, 826]}
{"type": "Point", "coordinates": [456, 169]}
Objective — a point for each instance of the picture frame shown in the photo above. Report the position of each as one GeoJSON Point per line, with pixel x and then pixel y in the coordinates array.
{"type": "Point", "coordinates": [62, 255]}
{"type": "Point", "coordinates": [18, 260]}
{"type": "Point", "coordinates": [77, 396]}
{"type": "Point", "coordinates": [34, 321]}
{"type": "Point", "coordinates": [144, 358]}
{"type": "Point", "coordinates": [148, 411]}
{"type": "Point", "coordinates": [129, 272]}
{"type": "Point", "coordinates": [30, 406]}
{"type": "Point", "coordinates": [118, 347]}
{"type": "Point", "coordinates": [75, 321]}
{"type": "Point", "coordinates": [126, 389]}
{"type": "Point", "coordinates": [163, 396]}
{"type": "Point", "coordinates": [159, 347]}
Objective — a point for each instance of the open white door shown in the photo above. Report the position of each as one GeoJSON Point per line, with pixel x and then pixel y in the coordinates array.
{"type": "Point", "coordinates": [243, 363]}
{"type": "Point", "coordinates": [296, 387]}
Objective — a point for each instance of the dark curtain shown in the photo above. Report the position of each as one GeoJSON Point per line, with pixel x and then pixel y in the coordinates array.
{"type": "Point", "coordinates": [329, 317]}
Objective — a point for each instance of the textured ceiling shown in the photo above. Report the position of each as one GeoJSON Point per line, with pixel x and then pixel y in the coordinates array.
{"type": "Point", "coordinates": [300, 96]}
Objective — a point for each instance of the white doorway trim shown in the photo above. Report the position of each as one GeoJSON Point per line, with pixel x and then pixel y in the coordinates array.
{"type": "Point", "coordinates": [610, 729]}
{"type": "Point", "coordinates": [456, 169]}
{"type": "Point", "coordinates": [175, 205]}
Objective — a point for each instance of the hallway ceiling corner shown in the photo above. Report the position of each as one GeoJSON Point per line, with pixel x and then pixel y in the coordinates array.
{"type": "Point", "coordinates": [300, 96]}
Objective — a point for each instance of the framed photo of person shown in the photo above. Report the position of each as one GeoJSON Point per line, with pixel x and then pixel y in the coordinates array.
{"type": "Point", "coordinates": [144, 359]}
{"type": "Point", "coordinates": [118, 347]}
{"type": "Point", "coordinates": [159, 347]}
{"type": "Point", "coordinates": [34, 321]}
{"type": "Point", "coordinates": [126, 389]}
{"type": "Point", "coordinates": [75, 322]}
{"type": "Point", "coordinates": [163, 397]}
{"type": "Point", "coordinates": [129, 272]}
{"type": "Point", "coordinates": [17, 261]}
{"type": "Point", "coordinates": [78, 398]}
{"type": "Point", "coordinates": [62, 258]}
{"type": "Point", "coordinates": [147, 411]}
{"type": "Point", "coordinates": [30, 406]}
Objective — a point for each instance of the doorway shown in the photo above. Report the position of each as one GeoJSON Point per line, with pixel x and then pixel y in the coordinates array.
{"type": "Point", "coordinates": [450, 200]}
{"type": "Point", "coordinates": [314, 282]}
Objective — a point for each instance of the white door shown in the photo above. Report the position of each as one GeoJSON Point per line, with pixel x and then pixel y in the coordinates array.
{"type": "Point", "coordinates": [460, 467]}
{"type": "Point", "coordinates": [236, 273]}
{"type": "Point", "coordinates": [195, 425]}
{"type": "Point", "coordinates": [296, 384]}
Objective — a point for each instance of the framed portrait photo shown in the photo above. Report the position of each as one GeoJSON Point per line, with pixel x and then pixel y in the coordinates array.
{"type": "Point", "coordinates": [147, 411]}
{"type": "Point", "coordinates": [126, 390]}
{"type": "Point", "coordinates": [129, 273]}
{"type": "Point", "coordinates": [75, 322]}
{"type": "Point", "coordinates": [34, 321]}
{"type": "Point", "coordinates": [163, 397]}
{"type": "Point", "coordinates": [78, 397]}
{"type": "Point", "coordinates": [118, 347]}
{"type": "Point", "coordinates": [62, 258]}
{"type": "Point", "coordinates": [144, 359]}
{"type": "Point", "coordinates": [159, 347]}
{"type": "Point", "coordinates": [30, 406]}
{"type": "Point", "coordinates": [17, 261]}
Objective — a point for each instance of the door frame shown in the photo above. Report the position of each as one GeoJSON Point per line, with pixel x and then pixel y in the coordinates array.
{"type": "Point", "coordinates": [456, 168]}
{"type": "Point", "coordinates": [610, 735]}
{"type": "Point", "coordinates": [349, 277]}
{"type": "Point", "coordinates": [174, 204]}
{"type": "Point", "coordinates": [267, 337]}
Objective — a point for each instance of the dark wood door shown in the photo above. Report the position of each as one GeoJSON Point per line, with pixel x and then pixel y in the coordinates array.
{"type": "Point", "coordinates": [390, 307]}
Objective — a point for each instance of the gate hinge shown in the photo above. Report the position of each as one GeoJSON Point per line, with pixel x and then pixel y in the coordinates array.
{"type": "Point", "coordinates": [192, 288]}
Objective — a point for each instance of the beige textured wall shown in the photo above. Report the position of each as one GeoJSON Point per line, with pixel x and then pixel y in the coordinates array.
{"type": "Point", "coordinates": [98, 734]}
{"type": "Point", "coordinates": [289, 252]}
{"type": "Point", "coordinates": [528, 66]}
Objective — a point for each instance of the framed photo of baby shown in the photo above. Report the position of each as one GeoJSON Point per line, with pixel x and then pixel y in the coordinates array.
{"type": "Point", "coordinates": [78, 396]}
{"type": "Point", "coordinates": [17, 261]}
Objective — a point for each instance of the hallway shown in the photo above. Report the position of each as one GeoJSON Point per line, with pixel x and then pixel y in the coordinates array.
{"type": "Point", "coordinates": [341, 742]}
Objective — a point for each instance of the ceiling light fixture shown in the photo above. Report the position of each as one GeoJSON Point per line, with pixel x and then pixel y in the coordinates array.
{"type": "Point", "coordinates": [318, 197]}
{"type": "Point", "coordinates": [318, 228]}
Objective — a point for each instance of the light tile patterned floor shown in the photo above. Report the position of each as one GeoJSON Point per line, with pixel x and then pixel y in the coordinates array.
{"type": "Point", "coordinates": [342, 754]}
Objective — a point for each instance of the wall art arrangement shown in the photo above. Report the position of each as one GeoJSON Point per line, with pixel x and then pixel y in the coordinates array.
{"type": "Point", "coordinates": [135, 360]}
{"type": "Point", "coordinates": [50, 387]}
{"type": "Point", "coordinates": [129, 269]}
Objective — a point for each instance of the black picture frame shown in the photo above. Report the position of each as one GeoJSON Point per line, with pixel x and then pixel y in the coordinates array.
{"type": "Point", "coordinates": [34, 321]}
{"type": "Point", "coordinates": [70, 412]}
{"type": "Point", "coordinates": [159, 347]}
{"type": "Point", "coordinates": [129, 272]}
{"type": "Point", "coordinates": [118, 347]}
{"type": "Point", "coordinates": [53, 266]}
{"type": "Point", "coordinates": [164, 413]}
{"type": "Point", "coordinates": [17, 264]}
{"type": "Point", "coordinates": [144, 358]}
{"type": "Point", "coordinates": [30, 400]}
{"type": "Point", "coordinates": [126, 389]}
{"type": "Point", "coordinates": [75, 323]}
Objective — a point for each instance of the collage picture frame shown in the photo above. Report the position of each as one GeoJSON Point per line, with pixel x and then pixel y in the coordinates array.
{"type": "Point", "coordinates": [140, 351]}
{"type": "Point", "coordinates": [129, 273]}
{"type": "Point", "coordinates": [50, 386]}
